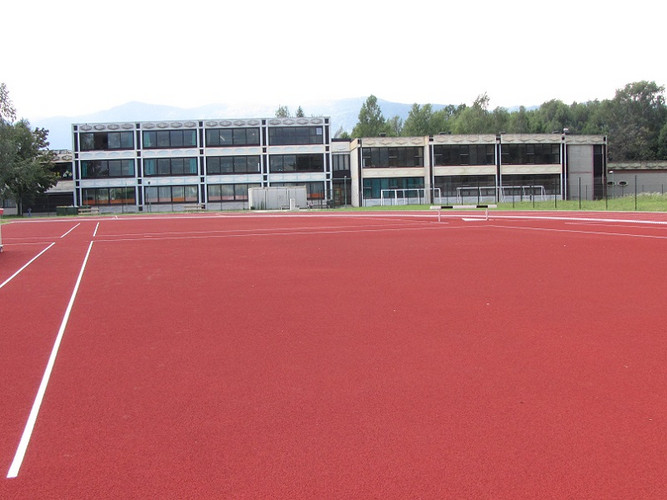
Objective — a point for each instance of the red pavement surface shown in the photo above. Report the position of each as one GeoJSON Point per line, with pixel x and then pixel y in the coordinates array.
{"type": "Point", "coordinates": [365, 356]}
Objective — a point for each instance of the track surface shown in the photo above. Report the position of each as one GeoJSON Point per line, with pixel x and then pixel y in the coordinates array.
{"type": "Point", "coordinates": [374, 355]}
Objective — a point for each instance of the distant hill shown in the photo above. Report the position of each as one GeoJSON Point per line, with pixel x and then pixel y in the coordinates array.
{"type": "Point", "coordinates": [344, 114]}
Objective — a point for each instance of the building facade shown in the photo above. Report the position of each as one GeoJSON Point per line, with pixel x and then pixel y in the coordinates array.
{"type": "Point", "coordinates": [477, 168]}
{"type": "Point", "coordinates": [162, 166]}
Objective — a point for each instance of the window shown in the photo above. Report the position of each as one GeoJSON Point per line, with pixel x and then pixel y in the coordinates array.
{"type": "Point", "coordinates": [108, 196]}
{"type": "Point", "coordinates": [171, 194]}
{"type": "Point", "coordinates": [393, 157]}
{"type": "Point", "coordinates": [229, 192]}
{"type": "Point", "coordinates": [232, 137]}
{"type": "Point", "coordinates": [104, 141]}
{"type": "Point", "coordinates": [341, 163]}
{"type": "Point", "coordinates": [168, 139]}
{"type": "Point", "coordinates": [464, 154]}
{"type": "Point", "coordinates": [530, 154]}
{"type": "Point", "coordinates": [96, 169]}
{"type": "Point", "coordinates": [296, 135]}
{"type": "Point", "coordinates": [232, 165]}
{"type": "Point", "coordinates": [170, 166]}
{"type": "Point", "coordinates": [296, 163]}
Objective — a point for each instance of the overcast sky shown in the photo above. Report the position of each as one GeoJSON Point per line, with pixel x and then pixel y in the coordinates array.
{"type": "Point", "coordinates": [75, 57]}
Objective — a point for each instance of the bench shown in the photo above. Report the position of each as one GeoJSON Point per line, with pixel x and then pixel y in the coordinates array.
{"type": "Point", "coordinates": [86, 210]}
{"type": "Point", "coordinates": [194, 207]}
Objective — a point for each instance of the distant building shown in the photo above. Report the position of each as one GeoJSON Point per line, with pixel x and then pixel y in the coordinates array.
{"type": "Point", "coordinates": [623, 178]}
{"type": "Point", "coordinates": [158, 166]}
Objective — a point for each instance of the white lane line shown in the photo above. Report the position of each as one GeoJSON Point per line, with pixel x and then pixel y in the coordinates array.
{"type": "Point", "coordinates": [573, 231]}
{"type": "Point", "coordinates": [95, 232]}
{"type": "Point", "coordinates": [72, 229]}
{"type": "Point", "coordinates": [26, 265]}
{"type": "Point", "coordinates": [34, 412]}
{"type": "Point", "coordinates": [435, 227]}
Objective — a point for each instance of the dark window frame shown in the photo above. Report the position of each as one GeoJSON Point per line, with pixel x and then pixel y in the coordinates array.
{"type": "Point", "coordinates": [187, 189]}
{"type": "Point", "coordinates": [393, 157]}
{"type": "Point", "coordinates": [295, 136]}
{"type": "Point", "coordinates": [239, 164]}
{"type": "Point", "coordinates": [169, 139]}
{"type": "Point", "coordinates": [103, 169]}
{"type": "Point", "coordinates": [100, 141]}
{"type": "Point", "coordinates": [226, 137]}
{"type": "Point", "coordinates": [169, 167]}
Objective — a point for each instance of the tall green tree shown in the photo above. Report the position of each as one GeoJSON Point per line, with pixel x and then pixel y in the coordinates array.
{"type": "Point", "coordinates": [395, 126]}
{"type": "Point", "coordinates": [25, 163]}
{"type": "Point", "coordinates": [635, 117]}
{"type": "Point", "coordinates": [25, 160]}
{"type": "Point", "coordinates": [371, 120]}
{"type": "Point", "coordinates": [442, 121]}
{"type": "Point", "coordinates": [476, 118]}
{"type": "Point", "coordinates": [419, 121]}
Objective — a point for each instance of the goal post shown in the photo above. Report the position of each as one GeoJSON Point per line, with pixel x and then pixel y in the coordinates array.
{"type": "Point", "coordinates": [407, 196]}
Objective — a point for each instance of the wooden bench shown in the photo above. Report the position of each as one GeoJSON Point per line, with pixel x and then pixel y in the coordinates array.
{"type": "Point", "coordinates": [86, 210]}
{"type": "Point", "coordinates": [194, 207]}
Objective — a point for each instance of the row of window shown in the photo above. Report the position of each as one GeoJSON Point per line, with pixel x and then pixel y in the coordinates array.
{"type": "Point", "coordinates": [108, 196]}
{"type": "Point", "coordinates": [393, 157]}
{"type": "Point", "coordinates": [183, 194]}
{"type": "Point", "coordinates": [464, 154]}
{"type": "Point", "coordinates": [215, 165]}
{"type": "Point", "coordinates": [530, 154]}
{"type": "Point", "coordinates": [170, 139]}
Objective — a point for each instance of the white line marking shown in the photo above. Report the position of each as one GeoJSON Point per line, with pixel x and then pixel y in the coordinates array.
{"type": "Point", "coordinates": [598, 233]}
{"type": "Point", "coordinates": [585, 219]}
{"type": "Point", "coordinates": [34, 412]}
{"type": "Point", "coordinates": [436, 227]}
{"type": "Point", "coordinates": [95, 232]}
{"type": "Point", "coordinates": [26, 265]}
{"type": "Point", "coordinates": [72, 229]}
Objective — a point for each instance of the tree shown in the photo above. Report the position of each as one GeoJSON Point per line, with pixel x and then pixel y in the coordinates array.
{"type": "Point", "coordinates": [25, 161]}
{"type": "Point", "coordinates": [282, 112]}
{"type": "Point", "coordinates": [7, 111]}
{"type": "Point", "coordinates": [419, 121]}
{"type": "Point", "coordinates": [395, 126]}
{"type": "Point", "coordinates": [552, 116]}
{"type": "Point", "coordinates": [371, 121]}
{"type": "Point", "coordinates": [476, 118]}
{"type": "Point", "coordinates": [442, 121]}
{"type": "Point", "coordinates": [635, 117]}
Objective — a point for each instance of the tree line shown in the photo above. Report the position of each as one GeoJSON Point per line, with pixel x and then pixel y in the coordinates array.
{"type": "Point", "coordinates": [634, 121]}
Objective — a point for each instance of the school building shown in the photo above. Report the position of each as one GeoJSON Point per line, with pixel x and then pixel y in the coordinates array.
{"type": "Point", "coordinates": [169, 165]}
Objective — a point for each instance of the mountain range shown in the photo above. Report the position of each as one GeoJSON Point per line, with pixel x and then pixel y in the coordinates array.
{"type": "Point", "coordinates": [344, 114]}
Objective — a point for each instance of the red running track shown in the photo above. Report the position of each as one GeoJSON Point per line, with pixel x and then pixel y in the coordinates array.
{"type": "Point", "coordinates": [382, 356]}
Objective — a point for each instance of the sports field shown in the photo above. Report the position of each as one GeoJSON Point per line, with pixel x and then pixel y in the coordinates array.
{"type": "Point", "coordinates": [347, 355]}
